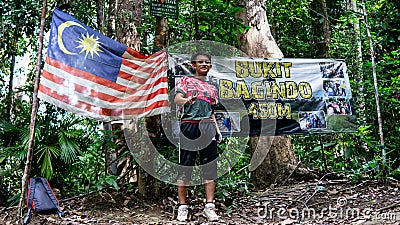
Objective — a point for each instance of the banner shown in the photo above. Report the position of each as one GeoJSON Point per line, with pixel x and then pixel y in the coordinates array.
{"type": "Point", "coordinates": [277, 96]}
{"type": "Point", "coordinates": [92, 75]}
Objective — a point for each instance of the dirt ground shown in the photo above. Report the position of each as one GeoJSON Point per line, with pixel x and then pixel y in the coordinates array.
{"type": "Point", "coordinates": [318, 202]}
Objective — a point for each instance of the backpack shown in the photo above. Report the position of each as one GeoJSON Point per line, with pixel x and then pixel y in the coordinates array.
{"type": "Point", "coordinates": [41, 198]}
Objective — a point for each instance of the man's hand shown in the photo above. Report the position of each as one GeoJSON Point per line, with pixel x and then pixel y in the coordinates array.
{"type": "Point", "coordinates": [191, 100]}
{"type": "Point", "coordinates": [218, 138]}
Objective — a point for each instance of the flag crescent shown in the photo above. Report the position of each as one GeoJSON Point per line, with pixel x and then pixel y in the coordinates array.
{"type": "Point", "coordinates": [60, 33]}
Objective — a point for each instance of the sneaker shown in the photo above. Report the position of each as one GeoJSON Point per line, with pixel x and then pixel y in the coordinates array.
{"type": "Point", "coordinates": [209, 212]}
{"type": "Point", "coordinates": [182, 213]}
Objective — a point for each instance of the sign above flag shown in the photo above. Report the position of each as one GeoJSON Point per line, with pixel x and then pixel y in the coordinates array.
{"type": "Point", "coordinates": [164, 8]}
{"type": "Point", "coordinates": [92, 75]}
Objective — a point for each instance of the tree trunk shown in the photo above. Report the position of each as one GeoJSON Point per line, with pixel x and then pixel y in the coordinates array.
{"type": "Point", "coordinates": [358, 75]}
{"type": "Point", "coordinates": [10, 93]}
{"type": "Point", "coordinates": [123, 17]}
{"type": "Point", "coordinates": [258, 42]}
{"type": "Point", "coordinates": [101, 20]}
{"type": "Point", "coordinates": [148, 185]}
{"type": "Point", "coordinates": [322, 45]}
{"type": "Point", "coordinates": [161, 34]}
{"type": "Point", "coordinates": [110, 154]}
{"type": "Point", "coordinates": [374, 74]}
{"type": "Point", "coordinates": [326, 30]}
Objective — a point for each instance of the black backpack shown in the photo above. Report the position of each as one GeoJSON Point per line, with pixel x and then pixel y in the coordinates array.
{"type": "Point", "coordinates": [41, 198]}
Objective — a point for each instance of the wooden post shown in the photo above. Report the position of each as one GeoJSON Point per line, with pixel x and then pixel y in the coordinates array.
{"type": "Point", "coordinates": [32, 124]}
{"type": "Point", "coordinates": [161, 34]}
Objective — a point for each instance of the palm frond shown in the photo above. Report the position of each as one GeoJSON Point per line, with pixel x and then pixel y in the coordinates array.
{"type": "Point", "coordinates": [24, 135]}
{"type": "Point", "coordinates": [47, 167]}
{"type": "Point", "coordinates": [46, 153]}
{"type": "Point", "coordinates": [16, 151]}
{"type": "Point", "coordinates": [7, 127]}
{"type": "Point", "coordinates": [69, 147]}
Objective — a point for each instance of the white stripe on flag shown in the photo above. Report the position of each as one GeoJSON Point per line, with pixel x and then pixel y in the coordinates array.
{"type": "Point", "coordinates": [68, 86]}
{"type": "Point", "coordinates": [97, 116]}
{"type": "Point", "coordinates": [124, 103]}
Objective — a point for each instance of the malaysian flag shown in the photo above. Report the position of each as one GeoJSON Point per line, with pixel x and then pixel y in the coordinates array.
{"type": "Point", "coordinates": [92, 75]}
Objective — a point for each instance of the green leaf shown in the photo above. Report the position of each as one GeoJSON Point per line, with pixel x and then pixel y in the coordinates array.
{"type": "Point", "coordinates": [111, 181]}
{"type": "Point", "coordinates": [348, 152]}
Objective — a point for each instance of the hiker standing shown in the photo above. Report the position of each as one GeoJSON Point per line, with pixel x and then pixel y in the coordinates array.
{"type": "Point", "coordinates": [199, 130]}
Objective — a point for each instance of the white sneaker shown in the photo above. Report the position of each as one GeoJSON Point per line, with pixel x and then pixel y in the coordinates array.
{"type": "Point", "coordinates": [209, 212]}
{"type": "Point", "coordinates": [182, 213]}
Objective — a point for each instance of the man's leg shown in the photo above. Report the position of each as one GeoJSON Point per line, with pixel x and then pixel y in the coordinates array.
{"type": "Point", "coordinates": [183, 208]}
{"type": "Point", "coordinates": [182, 191]}
{"type": "Point", "coordinates": [184, 174]}
{"type": "Point", "coordinates": [209, 169]}
{"type": "Point", "coordinates": [208, 161]}
{"type": "Point", "coordinates": [209, 187]}
{"type": "Point", "coordinates": [209, 209]}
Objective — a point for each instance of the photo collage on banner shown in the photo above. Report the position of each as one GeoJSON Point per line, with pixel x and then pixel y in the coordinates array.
{"type": "Point", "coordinates": [337, 99]}
{"type": "Point", "coordinates": [335, 88]}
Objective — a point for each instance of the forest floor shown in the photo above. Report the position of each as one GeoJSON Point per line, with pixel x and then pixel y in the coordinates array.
{"type": "Point", "coordinates": [318, 202]}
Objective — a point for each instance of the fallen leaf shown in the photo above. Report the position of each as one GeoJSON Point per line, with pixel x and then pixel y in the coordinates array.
{"type": "Point", "coordinates": [287, 221]}
{"type": "Point", "coordinates": [333, 192]}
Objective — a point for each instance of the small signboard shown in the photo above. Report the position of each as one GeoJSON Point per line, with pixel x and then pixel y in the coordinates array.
{"type": "Point", "coordinates": [164, 8]}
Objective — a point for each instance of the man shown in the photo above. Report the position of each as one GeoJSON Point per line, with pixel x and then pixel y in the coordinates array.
{"type": "Point", "coordinates": [196, 96]}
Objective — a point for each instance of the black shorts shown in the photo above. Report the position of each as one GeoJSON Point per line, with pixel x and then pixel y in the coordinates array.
{"type": "Point", "coordinates": [198, 137]}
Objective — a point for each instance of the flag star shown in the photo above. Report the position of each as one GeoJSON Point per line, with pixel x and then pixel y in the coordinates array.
{"type": "Point", "coordinates": [89, 44]}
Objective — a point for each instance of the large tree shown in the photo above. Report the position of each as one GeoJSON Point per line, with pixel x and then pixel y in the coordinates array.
{"type": "Point", "coordinates": [275, 151]}
{"type": "Point", "coordinates": [123, 18]}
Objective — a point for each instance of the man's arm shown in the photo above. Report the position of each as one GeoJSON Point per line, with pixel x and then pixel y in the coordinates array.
{"type": "Point", "coordinates": [181, 100]}
{"type": "Point", "coordinates": [218, 131]}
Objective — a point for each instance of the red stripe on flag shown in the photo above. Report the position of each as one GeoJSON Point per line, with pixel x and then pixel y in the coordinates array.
{"type": "Point", "coordinates": [106, 97]}
{"type": "Point", "coordinates": [85, 75]}
{"type": "Point", "coordinates": [66, 99]}
{"type": "Point", "coordinates": [157, 60]}
{"type": "Point", "coordinates": [155, 105]}
{"type": "Point", "coordinates": [139, 80]}
{"type": "Point", "coordinates": [153, 67]}
{"type": "Point", "coordinates": [99, 80]}
{"type": "Point", "coordinates": [101, 111]}
{"type": "Point", "coordinates": [101, 95]}
{"type": "Point", "coordinates": [135, 66]}
{"type": "Point", "coordinates": [136, 54]}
